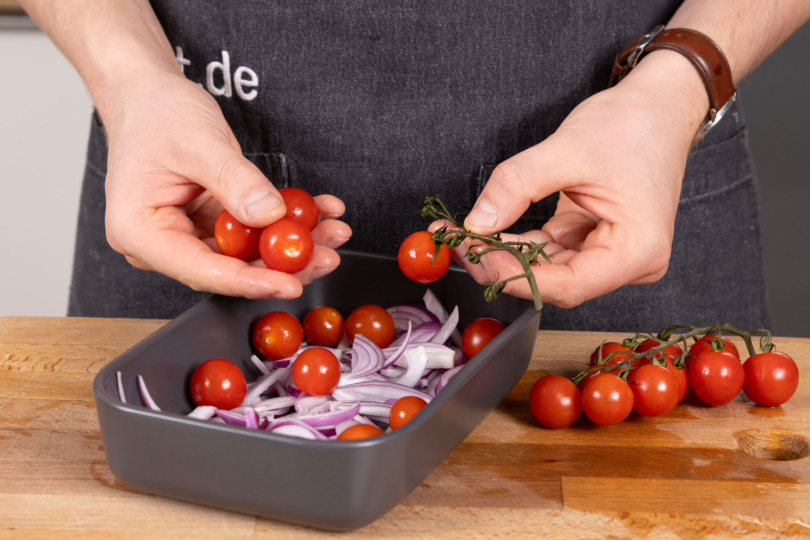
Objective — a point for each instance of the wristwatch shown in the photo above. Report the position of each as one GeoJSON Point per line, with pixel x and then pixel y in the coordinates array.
{"type": "Point", "coordinates": [704, 54]}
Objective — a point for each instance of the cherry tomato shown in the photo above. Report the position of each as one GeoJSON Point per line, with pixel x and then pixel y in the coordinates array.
{"type": "Point", "coordinates": [607, 399]}
{"type": "Point", "coordinates": [655, 390]}
{"type": "Point", "coordinates": [316, 371]}
{"type": "Point", "coordinates": [218, 383]}
{"type": "Point", "coordinates": [680, 375]}
{"type": "Point", "coordinates": [705, 344]}
{"type": "Point", "coordinates": [404, 409]}
{"type": "Point", "coordinates": [359, 431]}
{"type": "Point", "coordinates": [373, 322]}
{"type": "Point", "coordinates": [647, 344]}
{"type": "Point", "coordinates": [610, 347]}
{"type": "Point", "coordinates": [323, 326]}
{"type": "Point", "coordinates": [771, 378]}
{"type": "Point", "coordinates": [716, 377]}
{"type": "Point", "coordinates": [555, 401]}
{"type": "Point", "coordinates": [478, 334]}
{"type": "Point", "coordinates": [301, 207]}
{"type": "Point", "coordinates": [235, 239]}
{"type": "Point", "coordinates": [416, 258]}
{"type": "Point", "coordinates": [286, 246]}
{"type": "Point", "coordinates": [277, 335]}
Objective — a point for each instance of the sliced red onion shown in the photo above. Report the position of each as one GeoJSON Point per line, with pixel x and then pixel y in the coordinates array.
{"type": "Point", "coordinates": [367, 357]}
{"type": "Point", "coordinates": [251, 419]}
{"type": "Point", "coordinates": [279, 387]}
{"type": "Point", "coordinates": [282, 363]}
{"type": "Point", "coordinates": [343, 426]}
{"type": "Point", "coordinates": [360, 419]}
{"type": "Point", "coordinates": [447, 328]}
{"type": "Point", "coordinates": [371, 408]}
{"type": "Point", "coordinates": [233, 419]}
{"type": "Point", "coordinates": [121, 394]}
{"type": "Point", "coordinates": [460, 358]}
{"type": "Point", "coordinates": [343, 344]}
{"type": "Point", "coordinates": [434, 381]}
{"type": "Point", "coordinates": [328, 432]}
{"type": "Point", "coordinates": [392, 372]}
{"type": "Point", "coordinates": [347, 378]}
{"type": "Point", "coordinates": [217, 420]}
{"type": "Point", "coordinates": [445, 378]}
{"type": "Point", "coordinates": [341, 413]}
{"type": "Point", "coordinates": [439, 356]}
{"type": "Point", "coordinates": [203, 412]}
{"type": "Point", "coordinates": [239, 410]}
{"type": "Point", "coordinates": [262, 384]}
{"type": "Point", "coordinates": [272, 404]}
{"type": "Point", "coordinates": [395, 355]}
{"type": "Point", "coordinates": [421, 334]}
{"type": "Point", "coordinates": [147, 399]}
{"type": "Point", "coordinates": [434, 306]}
{"type": "Point", "coordinates": [306, 402]}
{"type": "Point", "coordinates": [410, 313]}
{"type": "Point", "coordinates": [374, 391]}
{"type": "Point", "coordinates": [302, 431]}
{"type": "Point", "coordinates": [417, 361]}
{"type": "Point", "coordinates": [259, 364]}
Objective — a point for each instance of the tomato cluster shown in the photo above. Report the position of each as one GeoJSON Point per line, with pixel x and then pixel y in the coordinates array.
{"type": "Point", "coordinates": [286, 245]}
{"type": "Point", "coordinates": [653, 385]}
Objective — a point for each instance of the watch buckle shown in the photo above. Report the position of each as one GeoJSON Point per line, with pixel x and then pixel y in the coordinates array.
{"type": "Point", "coordinates": [635, 56]}
{"type": "Point", "coordinates": [712, 118]}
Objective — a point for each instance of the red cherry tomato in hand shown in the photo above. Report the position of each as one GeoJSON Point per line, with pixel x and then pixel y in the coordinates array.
{"type": "Point", "coordinates": [323, 326]}
{"type": "Point", "coordinates": [478, 334]}
{"type": "Point", "coordinates": [655, 390]}
{"type": "Point", "coordinates": [607, 399]}
{"type": "Point", "coordinates": [301, 207]}
{"type": "Point", "coordinates": [316, 371]}
{"type": "Point", "coordinates": [555, 401]}
{"type": "Point", "coordinates": [613, 347]}
{"type": "Point", "coordinates": [416, 258]}
{"type": "Point", "coordinates": [716, 377]}
{"type": "Point", "coordinates": [359, 431]}
{"type": "Point", "coordinates": [235, 239]}
{"type": "Point", "coordinates": [404, 409]}
{"type": "Point", "coordinates": [705, 344]}
{"type": "Point", "coordinates": [771, 378]}
{"type": "Point", "coordinates": [373, 322]}
{"type": "Point", "coordinates": [277, 335]}
{"type": "Point", "coordinates": [680, 375]}
{"type": "Point", "coordinates": [286, 246]}
{"type": "Point", "coordinates": [647, 344]}
{"type": "Point", "coordinates": [218, 383]}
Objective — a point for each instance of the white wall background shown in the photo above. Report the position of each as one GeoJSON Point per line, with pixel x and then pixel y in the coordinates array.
{"type": "Point", "coordinates": [44, 123]}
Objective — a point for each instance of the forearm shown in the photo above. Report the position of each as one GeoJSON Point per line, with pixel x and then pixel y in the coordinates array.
{"type": "Point", "coordinates": [112, 43]}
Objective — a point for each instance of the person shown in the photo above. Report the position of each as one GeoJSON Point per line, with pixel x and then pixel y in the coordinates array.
{"type": "Point", "coordinates": [502, 107]}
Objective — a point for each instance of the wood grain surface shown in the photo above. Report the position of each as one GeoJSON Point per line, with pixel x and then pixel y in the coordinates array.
{"type": "Point", "coordinates": [697, 472]}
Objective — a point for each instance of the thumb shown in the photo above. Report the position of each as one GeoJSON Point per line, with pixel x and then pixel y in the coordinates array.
{"type": "Point", "coordinates": [515, 183]}
{"type": "Point", "coordinates": [239, 185]}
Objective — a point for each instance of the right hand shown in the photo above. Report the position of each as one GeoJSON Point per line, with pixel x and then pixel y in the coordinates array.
{"type": "Point", "coordinates": [173, 164]}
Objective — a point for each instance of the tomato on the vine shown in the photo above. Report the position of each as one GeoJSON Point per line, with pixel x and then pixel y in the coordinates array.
{"type": "Point", "coordinates": [416, 258]}
{"type": "Point", "coordinates": [555, 401]}
{"type": "Point", "coordinates": [316, 371]}
{"type": "Point", "coordinates": [286, 246]}
{"type": "Point", "coordinates": [359, 431]}
{"type": "Point", "coordinates": [478, 334]}
{"type": "Point", "coordinates": [680, 375]}
{"type": "Point", "coordinates": [323, 326]}
{"type": "Point", "coordinates": [607, 399]}
{"type": "Point", "coordinates": [705, 344]}
{"type": "Point", "coordinates": [277, 335]}
{"type": "Point", "coordinates": [301, 206]}
{"type": "Point", "coordinates": [619, 349]}
{"type": "Point", "coordinates": [371, 321]}
{"type": "Point", "coordinates": [771, 378]}
{"type": "Point", "coordinates": [647, 344]}
{"type": "Point", "coordinates": [716, 377]}
{"type": "Point", "coordinates": [236, 239]}
{"type": "Point", "coordinates": [404, 409]}
{"type": "Point", "coordinates": [218, 383]}
{"type": "Point", "coordinates": [655, 390]}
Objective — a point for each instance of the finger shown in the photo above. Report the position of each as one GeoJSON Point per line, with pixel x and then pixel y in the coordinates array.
{"type": "Point", "coordinates": [235, 182]}
{"type": "Point", "coordinates": [330, 207]}
{"type": "Point", "coordinates": [331, 233]}
{"type": "Point", "coordinates": [570, 229]}
{"type": "Point", "coordinates": [517, 182]}
{"type": "Point", "coordinates": [137, 263]}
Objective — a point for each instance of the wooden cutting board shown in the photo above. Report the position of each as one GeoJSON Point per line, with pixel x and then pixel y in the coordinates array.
{"type": "Point", "coordinates": [696, 472]}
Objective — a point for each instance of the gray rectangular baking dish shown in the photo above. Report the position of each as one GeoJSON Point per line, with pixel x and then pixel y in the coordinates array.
{"type": "Point", "coordinates": [335, 485]}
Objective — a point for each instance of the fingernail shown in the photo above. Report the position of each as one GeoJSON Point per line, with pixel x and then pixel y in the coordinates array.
{"type": "Point", "coordinates": [484, 214]}
{"type": "Point", "coordinates": [320, 272]}
{"type": "Point", "coordinates": [261, 202]}
{"type": "Point", "coordinates": [279, 296]}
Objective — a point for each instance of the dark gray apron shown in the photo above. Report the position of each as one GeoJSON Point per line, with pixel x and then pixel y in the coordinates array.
{"type": "Point", "coordinates": [382, 103]}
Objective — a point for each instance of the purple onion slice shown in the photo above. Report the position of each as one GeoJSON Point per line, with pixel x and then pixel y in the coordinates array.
{"type": "Point", "coordinates": [375, 391]}
{"type": "Point", "coordinates": [421, 334]}
{"type": "Point", "coordinates": [434, 306]}
{"type": "Point", "coordinates": [343, 426]}
{"type": "Point", "coordinates": [371, 408]}
{"type": "Point", "coordinates": [203, 412]}
{"type": "Point", "coordinates": [274, 404]}
{"type": "Point", "coordinates": [417, 361]}
{"type": "Point", "coordinates": [438, 356]}
{"type": "Point", "coordinates": [341, 413]}
{"type": "Point", "coordinates": [261, 385]}
{"type": "Point", "coordinates": [121, 394]}
{"type": "Point", "coordinates": [295, 430]}
{"type": "Point", "coordinates": [307, 402]}
{"type": "Point", "coordinates": [447, 328]}
{"type": "Point", "coordinates": [394, 356]}
{"type": "Point", "coordinates": [410, 313]}
{"type": "Point", "coordinates": [231, 418]}
{"type": "Point", "coordinates": [367, 357]}
{"type": "Point", "coordinates": [445, 378]}
{"type": "Point", "coordinates": [259, 364]}
{"type": "Point", "coordinates": [147, 399]}
{"type": "Point", "coordinates": [251, 419]}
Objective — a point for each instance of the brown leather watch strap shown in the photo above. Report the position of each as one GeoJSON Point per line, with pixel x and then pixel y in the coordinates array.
{"type": "Point", "coordinates": [704, 54]}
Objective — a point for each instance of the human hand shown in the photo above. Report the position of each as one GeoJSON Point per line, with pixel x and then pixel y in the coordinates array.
{"type": "Point", "coordinates": [618, 161]}
{"type": "Point", "coordinates": [173, 164]}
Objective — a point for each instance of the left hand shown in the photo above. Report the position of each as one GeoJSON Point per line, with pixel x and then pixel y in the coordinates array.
{"type": "Point", "coordinates": [618, 161]}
